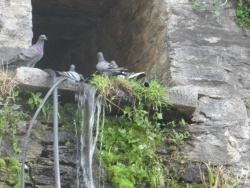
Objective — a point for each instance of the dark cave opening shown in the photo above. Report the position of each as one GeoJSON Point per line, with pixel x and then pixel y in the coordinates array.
{"type": "Point", "coordinates": [123, 30]}
{"type": "Point", "coordinates": [68, 26]}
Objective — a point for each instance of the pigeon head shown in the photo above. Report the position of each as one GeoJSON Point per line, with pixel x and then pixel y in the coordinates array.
{"type": "Point", "coordinates": [81, 77]}
{"type": "Point", "coordinates": [42, 37]}
{"type": "Point", "coordinates": [113, 64]}
{"type": "Point", "coordinates": [72, 67]}
{"type": "Point", "coordinates": [100, 56]}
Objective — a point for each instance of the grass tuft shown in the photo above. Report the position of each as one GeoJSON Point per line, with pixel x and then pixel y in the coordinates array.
{"type": "Point", "coordinates": [8, 83]}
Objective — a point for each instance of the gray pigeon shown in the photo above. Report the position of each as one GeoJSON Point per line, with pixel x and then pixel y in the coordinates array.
{"type": "Point", "coordinates": [129, 75]}
{"type": "Point", "coordinates": [133, 75]}
{"type": "Point", "coordinates": [72, 67]}
{"type": "Point", "coordinates": [72, 74]}
{"type": "Point", "coordinates": [29, 57]}
{"type": "Point", "coordinates": [106, 68]}
{"type": "Point", "coordinates": [113, 64]}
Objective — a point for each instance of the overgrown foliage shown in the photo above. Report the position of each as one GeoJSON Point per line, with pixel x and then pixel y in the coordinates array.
{"type": "Point", "coordinates": [243, 15]}
{"type": "Point", "coordinates": [10, 170]}
{"type": "Point", "coordinates": [218, 178]}
{"type": "Point", "coordinates": [129, 150]}
{"type": "Point", "coordinates": [214, 7]}
{"type": "Point", "coordinates": [129, 142]}
{"type": "Point", "coordinates": [18, 106]}
{"type": "Point", "coordinates": [7, 84]}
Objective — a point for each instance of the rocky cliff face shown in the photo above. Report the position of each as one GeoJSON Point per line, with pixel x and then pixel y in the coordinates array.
{"type": "Point", "coordinates": [203, 57]}
{"type": "Point", "coordinates": [209, 72]}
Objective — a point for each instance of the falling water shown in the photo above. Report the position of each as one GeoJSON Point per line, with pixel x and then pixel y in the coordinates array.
{"type": "Point", "coordinates": [88, 104]}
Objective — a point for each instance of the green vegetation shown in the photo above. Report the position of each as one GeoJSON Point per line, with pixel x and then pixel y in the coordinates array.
{"type": "Point", "coordinates": [32, 102]}
{"type": "Point", "coordinates": [214, 7]}
{"type": "Point", "coordinates": [10, 170]}
{"type": "Point", "coordinates": [128, 153]}
{"type": "Point", "coordinates": [217, 178]}
{"type": "Point", "coordinates": [242, 11]}
{"type": "Point", "coordinates": [243, 15]}
{"type": "Point", "coordinates": [67, 116]}
{"type": "Point", "coordinates": [129, 142]}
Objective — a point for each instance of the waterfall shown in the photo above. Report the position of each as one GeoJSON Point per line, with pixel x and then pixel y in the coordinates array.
{"type": "Point", "coordinates": [90, 108]}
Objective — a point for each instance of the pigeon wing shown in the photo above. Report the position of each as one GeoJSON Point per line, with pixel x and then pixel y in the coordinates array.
{"type": "Point", "coordinates": [71, 75]}
{"type": "Point", "coordinates": [26, 58]}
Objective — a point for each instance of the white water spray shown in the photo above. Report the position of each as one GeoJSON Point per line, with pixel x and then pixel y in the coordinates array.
{"type": "Point", "coordinates": [88, 105]}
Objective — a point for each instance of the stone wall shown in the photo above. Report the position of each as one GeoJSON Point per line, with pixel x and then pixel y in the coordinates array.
{"type": "Point", "coordinates": [209, 71]}
{"type": "Point", "coordinates": [15, 27]}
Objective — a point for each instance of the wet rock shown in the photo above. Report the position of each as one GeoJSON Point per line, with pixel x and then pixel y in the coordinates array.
{"type": "Point", "coordinates": [67, 155]}
{"type": "Point", "coordinates": [42, 175]}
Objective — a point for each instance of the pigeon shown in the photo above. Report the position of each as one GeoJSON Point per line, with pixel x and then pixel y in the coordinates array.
{"type": "Point", "coordinates": [72, 67]}
{"type": "Point", "coordinates": [113, 63]}
{"type": "Point", "coordinates": [72, 74]}
{"type": "Point", "coordinates": [29, 57]}
{"type": "Point", "coordinates": [129, 75]}
{"type": "Point", "coordinates": [133, 75]}
{"type": "Point", "coordinates": [108, 69]}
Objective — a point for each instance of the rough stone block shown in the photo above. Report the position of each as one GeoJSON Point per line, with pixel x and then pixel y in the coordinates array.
{"type": "Point", "coordinates": [184, 98]}
{"type": "Point", "coordinates": [35, 79]}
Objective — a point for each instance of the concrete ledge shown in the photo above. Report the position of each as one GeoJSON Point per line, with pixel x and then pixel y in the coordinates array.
{"type": "Point", "coordinates": [37, 79]}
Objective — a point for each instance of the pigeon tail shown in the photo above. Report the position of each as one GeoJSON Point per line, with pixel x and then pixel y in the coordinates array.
{"type": "Point", "coordinates": [100, 57]}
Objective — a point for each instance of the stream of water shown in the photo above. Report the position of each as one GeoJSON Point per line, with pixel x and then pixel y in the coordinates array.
{"type": "Point", "coordinates": [90, 108]}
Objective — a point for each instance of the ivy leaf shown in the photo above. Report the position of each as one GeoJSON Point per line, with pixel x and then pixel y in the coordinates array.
{"type": "Point", "coordinates": [123, 131]}
{"type": "Point", "coordinates": [142, 146]}
{"type": "Point", "coordinates": [217, 12]}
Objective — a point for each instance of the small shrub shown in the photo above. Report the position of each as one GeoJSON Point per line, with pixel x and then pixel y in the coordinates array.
{"type": "Point", "coordinates": [130, 140]}
{"type": "Point", "coordinates": [243, 15]}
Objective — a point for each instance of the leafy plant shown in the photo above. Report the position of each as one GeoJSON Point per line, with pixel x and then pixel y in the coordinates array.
{"type": "Point", "coordinates": [104, 84]}
{"type": "Point", "coordinates": [68, 115]}
{"type": "Point", "coordinates": [217, 178]}
{"type": "Point", "coordinates": [128, 152]}
{"type": "Point", "coordinates": [10, 114]}
{"type": "Point", "coordinates": [12, 169]}
{"type": "Point", "coordinates": [214, 7]}
{"type": "Point", "coordinates": [178, 137]}
{"type": "Point", "coordinates": [15, 145]}
{"type": "Point", "coordinates": [34, 99]}
{"type": "Point", "coordinates": [2, 163]}
{"type": "Point", "coordinates": [130, 141]}
{"type": "Point", "coordinates": [243, 15]}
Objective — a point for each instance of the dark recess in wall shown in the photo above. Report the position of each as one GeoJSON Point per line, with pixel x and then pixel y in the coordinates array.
{"type": "Point", "coordinates": [63, 22]}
